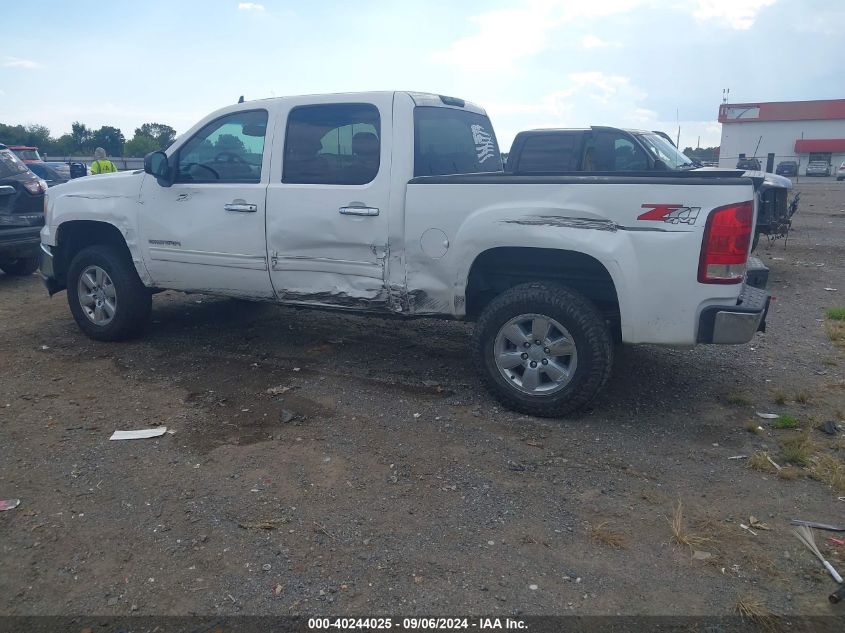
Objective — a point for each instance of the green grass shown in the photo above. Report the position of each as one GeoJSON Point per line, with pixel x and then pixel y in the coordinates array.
{"type": "Point", "coordinates": [739, 400]}
{"type": "Point", "coordinates": [780, 397]}
{"type": "Point", "coordinates": [836, 314]}
{"type": "Point", "coordinates": [785, 421]}
{"type": "Point", "coordinates": [797, 449]}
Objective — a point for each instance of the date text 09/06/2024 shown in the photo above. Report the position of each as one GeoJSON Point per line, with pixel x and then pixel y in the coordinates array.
{"type": "Point", "coordinates": [415, 624]}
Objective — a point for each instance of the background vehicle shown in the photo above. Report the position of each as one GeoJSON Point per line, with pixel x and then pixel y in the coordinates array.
{"type": "Point", "coordinates": [840, 173]}
{"type": "Point", "coordinates": [749, 164]}
{"type": "Point", "coordinates": [818, 168]}
{"type": "Point", "coordinates": [609, 149]}
{"type": "Point", "coordinates": [47, 174]}
{"type": "Point", "coordinates": [787, 168]}
{"type": "Point", "coordinates": [26, 153]}
{"type": "Point", "coordinates": [396, 203]}
{"type": "Point", "coordinates": [21, 215]}
{"type": "Point", "coordinates": [63, 169]}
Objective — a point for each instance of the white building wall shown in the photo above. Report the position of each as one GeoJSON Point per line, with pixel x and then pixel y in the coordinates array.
{"type": "Point", "coordinates": [778, 137]}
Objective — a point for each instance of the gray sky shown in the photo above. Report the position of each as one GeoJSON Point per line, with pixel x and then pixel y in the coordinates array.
{"type": "Point", "coordinates": [531, 63]}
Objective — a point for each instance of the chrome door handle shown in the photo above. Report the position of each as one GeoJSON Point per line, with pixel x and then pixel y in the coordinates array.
{"type": "Point", "coordinates": [241, 207]}
{"type": "Point", "coordinates": [358, 210]}
{"type": "Point", "coordinates": [6, 190]}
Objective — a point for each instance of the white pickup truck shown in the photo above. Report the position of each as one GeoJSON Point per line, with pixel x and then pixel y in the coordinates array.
{"type": "Point", "coordinates": [396, 203]}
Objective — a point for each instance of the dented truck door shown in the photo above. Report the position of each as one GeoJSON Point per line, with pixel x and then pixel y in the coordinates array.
{"type": "Point", "coordinates": [327, 202]}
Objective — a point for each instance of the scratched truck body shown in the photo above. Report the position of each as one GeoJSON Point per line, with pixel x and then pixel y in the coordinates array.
{"type": "Point", "coordinates": [396, 203]}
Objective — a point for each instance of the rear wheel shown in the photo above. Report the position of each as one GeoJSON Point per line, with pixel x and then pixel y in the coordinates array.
{"type": "Point", "coordinates": [543, 349]}
{"type": "Point", "coordinates": [20, 266]}
{"type": "Point", "coordinates": [105, 294]}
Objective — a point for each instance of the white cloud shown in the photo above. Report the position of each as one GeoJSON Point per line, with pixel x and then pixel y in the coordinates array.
{"type": "Point", "coordinates": [738, 14]}
{"type": "Point", "coordinates": [593, 41]}
{"type": "Point", "coordinates": [17, 62]}
{"type": "Point", "coordinates": [250, 6]}
{"type": "Point", "coordinates": [525, 29]}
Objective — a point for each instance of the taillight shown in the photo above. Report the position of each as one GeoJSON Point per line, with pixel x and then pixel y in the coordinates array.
{"type": "Point", "coordinates": [724, 250]}
{"type": "Point", "coordinates": [35, 186]}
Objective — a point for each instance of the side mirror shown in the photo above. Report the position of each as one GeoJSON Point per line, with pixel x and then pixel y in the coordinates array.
{"type": "Point", "coordinates": [155, 164]}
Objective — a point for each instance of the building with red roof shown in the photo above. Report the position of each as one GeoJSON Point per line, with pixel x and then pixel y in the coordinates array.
{"type": "Point", "coordinates": [777, 131]}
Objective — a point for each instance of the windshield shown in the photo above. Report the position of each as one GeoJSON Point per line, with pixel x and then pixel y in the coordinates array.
{"type": "Point", "coordinates": [10, 164]}
{"type": "Point", "coordinates": [27, 154]}
{"type": "Point", "coordinates": [664, 151]}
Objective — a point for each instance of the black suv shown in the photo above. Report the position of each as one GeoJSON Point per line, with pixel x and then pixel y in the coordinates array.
{"type": "Point", "coordinates": [21, 215]}
{"type": "Point", "coordinates": [749, 164]}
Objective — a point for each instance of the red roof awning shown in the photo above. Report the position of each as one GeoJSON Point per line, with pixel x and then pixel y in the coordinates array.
{"type": "Point", "coordinates": [807, 145]}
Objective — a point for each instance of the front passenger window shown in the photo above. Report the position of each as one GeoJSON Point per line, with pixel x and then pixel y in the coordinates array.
{"type": "Point", "coordinates": [227, 150]}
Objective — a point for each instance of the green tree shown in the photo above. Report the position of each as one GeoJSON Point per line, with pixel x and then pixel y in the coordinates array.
{"type": "Point", "coordinates": [81, 136]}
{"type": "Point", "coordinates": [229, 143]}
{"type": "Point", "coordinates": [110, 139]}
{"type": "Point", "coordinates": [163, 134]}
{"type": "Point", "coordinates": [140, 146]}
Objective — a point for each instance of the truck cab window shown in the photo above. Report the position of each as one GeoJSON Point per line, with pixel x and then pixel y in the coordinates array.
{"type": "Point", "coordinates": [453, 141]}
{"type": "Point", "coordinates": [612, 151]}
{"type": "Point", "coordinates": [229, 149]}
{"type": "Point", "coordinates": [332, 144]}
{"type": "Point", "coordinates": [550, 153]}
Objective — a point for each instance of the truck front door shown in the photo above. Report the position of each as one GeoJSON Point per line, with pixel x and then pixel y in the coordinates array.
{"type": "Point", "coordinates": [327, 204]}
{"type": "Point", "coordinates": [205, 232]}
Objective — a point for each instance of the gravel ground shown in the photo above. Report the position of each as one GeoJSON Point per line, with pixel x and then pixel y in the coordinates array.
{"type": "Point", "coordinates": [376, 476]}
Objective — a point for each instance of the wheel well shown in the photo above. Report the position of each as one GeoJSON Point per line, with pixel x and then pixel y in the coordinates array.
{"type": "Point", "coordinates": [498, 269]}
{"type": "Point", "coordinates": [75, 235]}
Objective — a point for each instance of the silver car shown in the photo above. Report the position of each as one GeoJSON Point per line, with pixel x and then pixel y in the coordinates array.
{"type": "Point", "coordinates": [840, 173]}
{"type": "Point", "coordinates": [818, 168]}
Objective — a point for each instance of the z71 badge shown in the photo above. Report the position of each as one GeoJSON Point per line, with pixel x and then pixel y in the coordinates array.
{"type": "Point", "coordinates": [670, 213]}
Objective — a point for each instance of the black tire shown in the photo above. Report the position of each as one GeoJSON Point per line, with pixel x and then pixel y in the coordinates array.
{"type": "Point", "coordinates": [133, 300]}
{"type": "Point", "coordinates": [19, 267]}
{"type": "Point", "coordinates": [573, 311]}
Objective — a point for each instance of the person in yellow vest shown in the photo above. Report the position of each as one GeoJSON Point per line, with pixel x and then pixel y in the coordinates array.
{"type": "Point", "coordinates": [101, 164]}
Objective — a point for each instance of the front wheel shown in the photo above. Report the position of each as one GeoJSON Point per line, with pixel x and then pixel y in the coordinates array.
{"type": "Point", "coordinates": [543, 349]}
{"type": "Point", "coordinates": [105, 294]}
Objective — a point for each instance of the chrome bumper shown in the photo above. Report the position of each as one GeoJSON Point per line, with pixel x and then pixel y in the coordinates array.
{"type": "Point", "coordinates": [736, 324]}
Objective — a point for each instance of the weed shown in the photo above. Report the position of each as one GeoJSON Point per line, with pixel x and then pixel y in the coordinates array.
{"type": "Point", "coordinates": [830, 470]}
{"type": "Point", "coordinates": [760, 461]}
{"type": "Point", "coordinates": [753, 610]}
{"type": "Point", "coordinates": [797, 448]}
{"type": "Point", "coordinates": [785, 421]}
{"type": "Point", "coordinates": [604, 535]}
{"type": "Point", "coordinates": [836, 314]}
{"type": "Point", "coordinates": [779, 397]}
{"type": "Point", "coordinates": [836, 332]}
{"type": "Point", "coordinates": [752, 427]}
{"type": "Point", "coordinates": [679, 530]}
{"type": "Point", "coordinates": [789, 472]}
{"type": "Point", "coordinates": [739, 400]}
{"type": "Point", "coordinates": [802, 397]}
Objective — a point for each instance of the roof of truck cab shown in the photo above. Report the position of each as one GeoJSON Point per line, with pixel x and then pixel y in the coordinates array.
{"type": "Point", "coordinates": [583, 129]}
{"type": "Point", "coordinates": [420, 98]}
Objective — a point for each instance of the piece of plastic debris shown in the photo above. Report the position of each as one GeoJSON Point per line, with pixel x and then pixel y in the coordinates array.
{"type": "Point", "coordinates": [831, 289]}
{"type": "Point", "coordinates": [140, 434]}
{"type": "Point", "coordinates": [835, 541]}
{"type": "Point", "coordinates": [266, 567]}
{"type": "Point", "coordinates": [805, 535]}
{"type": "Point", "coordinates": [697, 555]}
{"type": "Point", "coordinates": [296, 368]}
{"type": "Point", "coordinates": [533, 587]}
{"type": "Point", "coordinates": [417, 415]}
{"type": "Point", "coordinates": [757, 523]}
{"type": "Point", "coordinates": [279, 390]}
{"type": "Point", "coordinates": [738, 457]}
{"type": "Point", "coordinates": [45, 347]}
{"type": "Point", "coordinates": [748, 529]}
{"type": "Point", "coordinates": [828, 427]}
{"type": "Point", "coordinates": [9, 504]}
{"type": "Point", "coordinates": [278, 589]}
{"type": "Point", "coordinates": [819, 526]}
{"type": "Point", "coordinates": [768, 416]}
{"type": "Point", "coordinates": [773, 463]}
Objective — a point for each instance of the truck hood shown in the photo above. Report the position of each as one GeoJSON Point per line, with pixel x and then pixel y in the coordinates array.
{"type": "Point", "coordinates": [117, 185]}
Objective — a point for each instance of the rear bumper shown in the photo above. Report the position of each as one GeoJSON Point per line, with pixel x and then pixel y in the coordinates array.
{"type": "Point", "coordinates": [47, 271]}
{"type": "Point", "coordinates": [735, 324]}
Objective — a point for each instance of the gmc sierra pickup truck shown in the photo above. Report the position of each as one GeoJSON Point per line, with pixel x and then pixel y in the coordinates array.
{"type": "Point", "coordinates": [396, 203]}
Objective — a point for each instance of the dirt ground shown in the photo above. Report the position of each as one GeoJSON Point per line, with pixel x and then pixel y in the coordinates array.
{"type": "Point", "coordinates": [376, 476]}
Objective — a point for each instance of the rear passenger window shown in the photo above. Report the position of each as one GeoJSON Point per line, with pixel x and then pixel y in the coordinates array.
{"type": "Point", "coordinates": [453, 141]}
{"type": "Point", "coordinates": [332, 144]}
{"type": "Point", "coordinates": [550, 153]}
